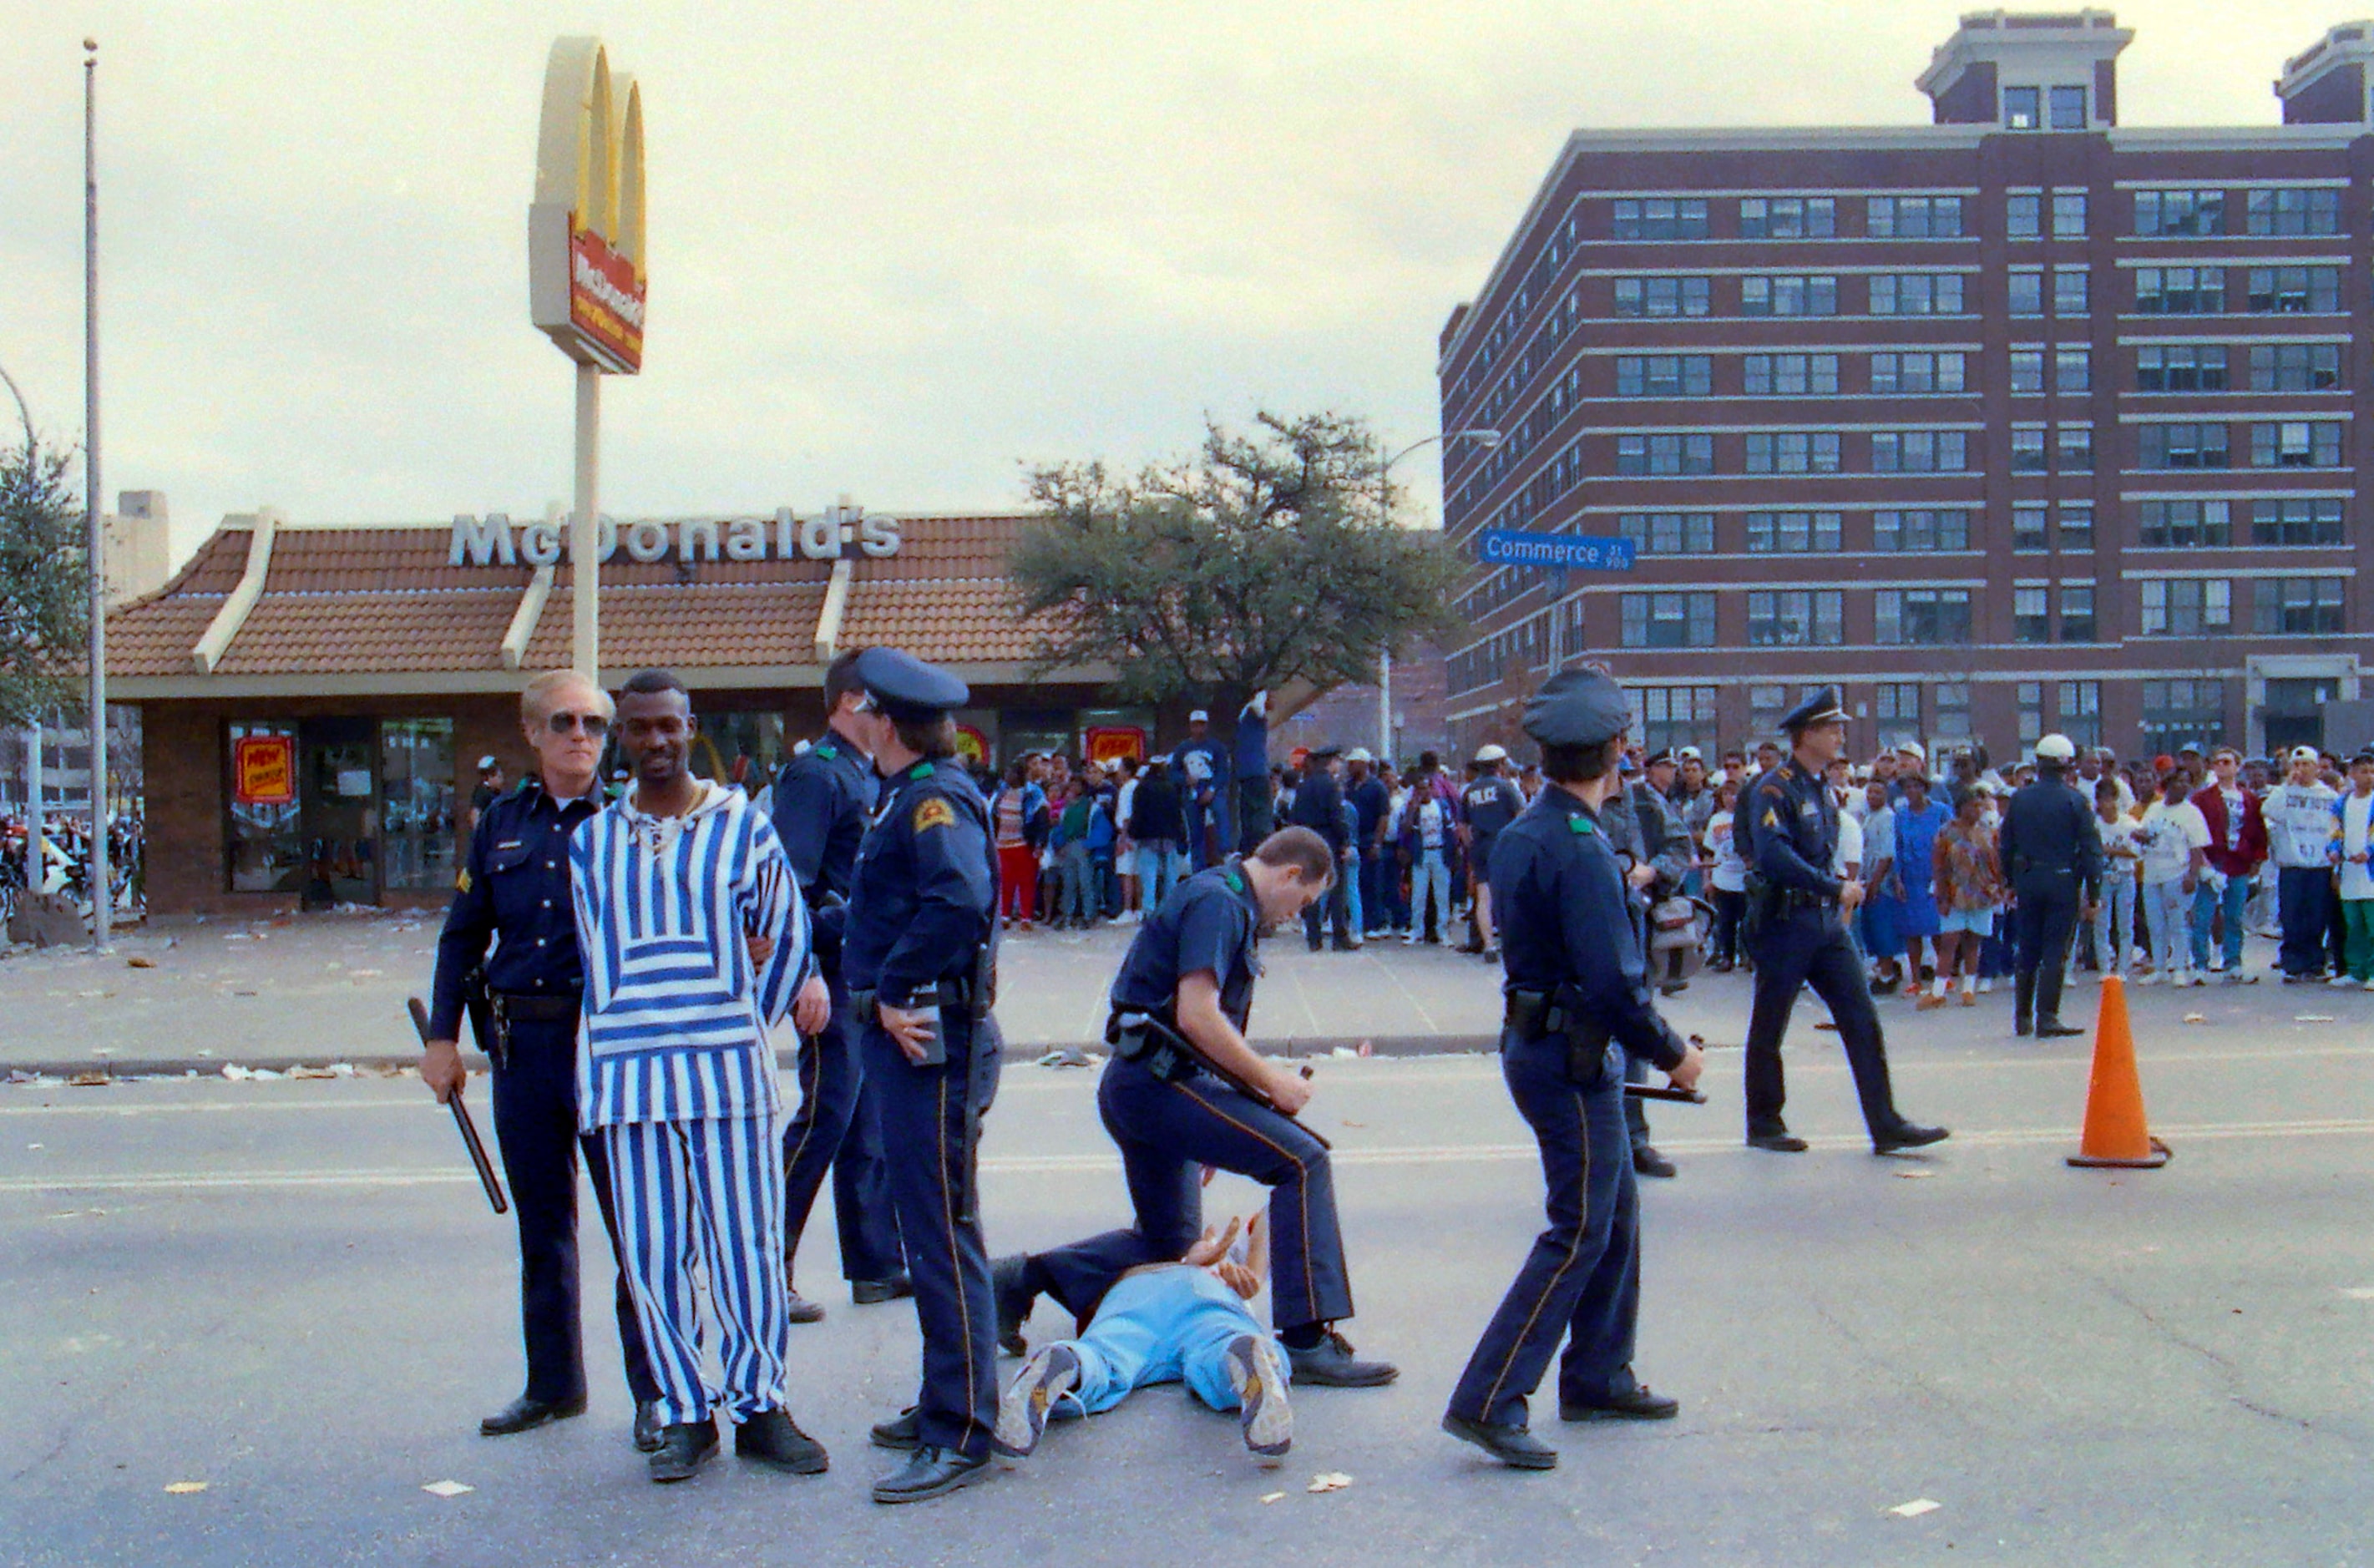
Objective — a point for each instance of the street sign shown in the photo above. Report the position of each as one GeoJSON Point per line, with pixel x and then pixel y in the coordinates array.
{"type": "Point", "coordinates": [1519, 548]}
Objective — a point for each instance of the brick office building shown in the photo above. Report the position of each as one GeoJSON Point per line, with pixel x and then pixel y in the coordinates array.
{"type": "Point", "coordinates": [2018, 421]}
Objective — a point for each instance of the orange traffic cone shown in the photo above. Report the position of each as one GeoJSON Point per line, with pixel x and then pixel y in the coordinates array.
{"type": "Point", "coordinates": [2115, 1133]}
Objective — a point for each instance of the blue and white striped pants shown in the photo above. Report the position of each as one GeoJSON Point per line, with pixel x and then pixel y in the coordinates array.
{"type": "Point", "coordinates": [706, 1193]}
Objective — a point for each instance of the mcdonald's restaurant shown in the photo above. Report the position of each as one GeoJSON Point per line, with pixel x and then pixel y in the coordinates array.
{"type": "Point", "coordinates": [315, 700]}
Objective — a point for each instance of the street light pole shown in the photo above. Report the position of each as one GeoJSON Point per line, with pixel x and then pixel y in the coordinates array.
{"type": "Point", "coordinates": [1484, 436]}
{"type": "Point", "coordinates": [23, 413]}
{"type": "Point", "coordinates": [94, 519]}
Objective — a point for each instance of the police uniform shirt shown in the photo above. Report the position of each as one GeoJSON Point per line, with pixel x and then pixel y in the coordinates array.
{"type": "Point", "coordinates": [1564, 923]}
{"type": "Point", "coordinates": [1490, 804]}
{"type": "Point", "coordinates": [923, 887]}
{"type": "Point", "coordinates": [823, 800]}
{"type": "Point", "coordinates": [1208, 924]}
{"type": "Point", "coordinates": [1796, 831]}
{"type": "Point", "coordinates": [512, 890]}
{"type": "Point", "coordinates": [2050, 828]}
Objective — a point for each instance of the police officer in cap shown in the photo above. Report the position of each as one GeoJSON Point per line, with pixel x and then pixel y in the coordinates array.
{"type": "Point", "coordinates": [2053, 855]}
{"type": "Point", "coordinates": [919, 957]}
{"type": "Point", "coordinates": [823, 800]}
{"type": "Point", "coordinates": [525, 999]}
{"type": "Point", "coordinates": [1797, 908]}
{"type": "Point", "coordinates": [1578, 1002]}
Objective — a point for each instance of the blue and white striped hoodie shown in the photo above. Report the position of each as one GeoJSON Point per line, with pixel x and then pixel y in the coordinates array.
{"type": "Point", "coordinates": [676, 1014]}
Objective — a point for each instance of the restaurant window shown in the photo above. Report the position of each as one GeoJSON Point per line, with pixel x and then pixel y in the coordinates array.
{"type": "Point", "coordinates": [416, 805]}
{"type": "Point", "coordinates": [262, 843]}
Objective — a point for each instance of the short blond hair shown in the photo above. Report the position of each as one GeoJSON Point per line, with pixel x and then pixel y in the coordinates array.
{"type": "Point", "coordinates": [535, 698]}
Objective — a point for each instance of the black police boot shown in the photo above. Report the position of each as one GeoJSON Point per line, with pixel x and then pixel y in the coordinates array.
{"type": "Point", "coordinates": [1513, 1444]}
{"type": "Point", "coordinates": [931, 1472]}
{"type": "Point", "coordinates": [1009, 1286]}
{"type": "Point", "coordinates": [873, 1293]}
{"type": "Point", "coordinates": [1775, 1138]}
{"type": "Point", "coordinates": [1646, 1162]}
{"type": "Point", "coordinates": [900, 1433]}
{"type": "Point", "coordinates": [2053, 1029]}
{"type": "Point", "coordinates": [1906, 1135]}
{"type": "Point", "coordinates": [1639, 1404]}
{"type": "Point", "coordinates": [525, 1414]}
{"type": "Point", "coordinates": [647, 1426]}
{"type": "Point", "coordinates": [683, 1449]}
{"type": "Point", "coordinates": [1329, 1363]}
{"type": "Point", "coordinates": [775, 1439]}
{"type": "Point", "coordinates": [2023, 1005]}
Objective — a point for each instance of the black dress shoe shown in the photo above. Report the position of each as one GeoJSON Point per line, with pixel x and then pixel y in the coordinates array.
{"type": "Point", "coordinates": [1646, 1162]}
{"type": "Point", "coordinates": [1906, 1135]}
{"type": "Point", "coordinates": [1008, 1287]}
{"type": "Point", "coordinates": [873, 1293]}
{"type": "Point", "coordinates": [647, 1426]}
{"type": "Point", "coordinates": [1329, 1363]}
{"type": "Point", "coordinates": [525, 1414]}
{"type": "Point", "coordinates": [2022, 1027]}
{"type": "Point", "coordinates": [683, 1449]}
{"type": "Point", "coordinates": [1641, 1404]}
{"type": "Point", "coordinates": [900, 1433]}
{"type": "Point", "coordinates": [2053, 1029]}
{"type": "Point", "coordinates": [800, 1309]}
{"type": "Point", "coordinates": [775, 1439]}
{"type": "Point", "coordinates": [931, 1472]}
{"type": "Point", "coordinates": [1779, 1141]}
{"type": "Point", "coordinates": [1514, 1445]}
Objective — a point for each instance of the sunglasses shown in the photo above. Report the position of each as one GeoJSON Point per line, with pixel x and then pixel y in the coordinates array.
{"type": "Point", "coordinates": [593, 724]}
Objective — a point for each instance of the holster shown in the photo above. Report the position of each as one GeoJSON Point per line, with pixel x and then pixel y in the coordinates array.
{"type": "Point", "coordinates": [1147, 1040]}
{"type": "Point", "coordinates": [477, 1005]}
{"type": "Point", "coordinates": [1538, 1015]}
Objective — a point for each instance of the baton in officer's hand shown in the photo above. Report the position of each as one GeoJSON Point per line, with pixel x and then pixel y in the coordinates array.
{"type": "Point", "coordinates": [469, 1129]}
{"type": "Point", "coordinates": [1664, 1092]}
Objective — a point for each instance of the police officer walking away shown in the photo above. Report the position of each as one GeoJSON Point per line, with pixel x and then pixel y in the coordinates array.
{"type": "Point", "coordinates": [1798, 908]}
{"type": "Point", "coordinates": [823, 800]}
{"type": "Point", "coordinates": [919, 957]}
{"type": "Point", "coordinates": [1319, 806]}
{"type": "Point", "coordinates": [513, 891]}
{"type": "Point", "coordinates": [1578, 1002]}
{"type": "Point", "coordinates": [2053, 855]}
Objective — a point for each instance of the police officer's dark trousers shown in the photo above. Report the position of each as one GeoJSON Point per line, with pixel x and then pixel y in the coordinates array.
{"type": "Point", "coordinates": [931, 1119]}
{"type": "Point", "coordinates": [1581, 1281]}
{"type": "Point", "coordinates": [536, 1127]}
{"type": "Point", "coordinates": [1168, 1131]}
{"type": "Point", "coordinates": [1811, 948]}
{"type": "Point", "coordinates": [839, 1128]}
{"type": "Point", "coordinates": [1254, 820]}
{"type": "Point", "coordinates": [2042, 922]}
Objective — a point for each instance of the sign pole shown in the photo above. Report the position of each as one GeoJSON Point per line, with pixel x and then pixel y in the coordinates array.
{"type": "Point", "coordinates": [94, 519]}
{"type": "Point", "coordinates": [584, 532]}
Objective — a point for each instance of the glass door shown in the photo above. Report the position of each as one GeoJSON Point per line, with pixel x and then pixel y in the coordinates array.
{"type": "Point", "coordinates": [338, 808]}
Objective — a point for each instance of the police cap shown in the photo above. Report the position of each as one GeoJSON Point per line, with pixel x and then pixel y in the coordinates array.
{"type": "Point", "coordinates": [1824, 706]}
{"type": "Point", "coordinates": [905, 687]}
{"type": "Point", "coordinates": [1577, 707]}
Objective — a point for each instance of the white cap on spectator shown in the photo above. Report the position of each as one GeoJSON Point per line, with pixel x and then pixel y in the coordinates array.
{"type": "Point", "coordinates": [486, 762]}
{"type": "Point", "coordinates": [2306, 753]}
{"type": "Point", "coordinates": [1692, 753]}
{"type": "Point", "coordinates": [1199, 716]}
{"type": "Point", "coordinates": [1359, 754]}
{"type": "Point", "coordinates": [1494, 752]}
{"type": "Point", "coordinates": [1912, 749]}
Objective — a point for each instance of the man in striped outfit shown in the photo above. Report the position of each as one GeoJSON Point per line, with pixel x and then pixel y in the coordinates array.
{"type": "Point", "coordinates": [695, 940]}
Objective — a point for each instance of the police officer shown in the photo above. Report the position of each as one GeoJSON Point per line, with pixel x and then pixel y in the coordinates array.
{"type": "Point", "coordinates": [1798, 907]}
{"type": "Point", "coordinates": [2053, 855]}
{"type": "Point", "coordinates": [1488, 804]}
{"type": "Point", "coordinates": [1180, 1008]}
{"type": "Point", "coordinates": [1319, 806]}
{"type": "Point", "coordinates": [918, 955]}
{"type": "Point", "coordinates": [1578, 1001]}
{"type": "Point", "coordinates": [1654, 854]}
{"type": "Point", "coordinates": [823, 800]}
{"type": "Point", "coordinates": [513, 891]}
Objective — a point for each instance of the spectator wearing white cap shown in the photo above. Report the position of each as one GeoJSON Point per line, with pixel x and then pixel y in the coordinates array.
{"type": "Point", "coordinates": [1202, 767]}
{"type": "Point", "coordinates": [2301, 834]}
{"type": "Point", "coordinates": [489, 789]}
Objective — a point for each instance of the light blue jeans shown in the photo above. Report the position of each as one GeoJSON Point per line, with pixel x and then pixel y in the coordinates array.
{"type": "Point", "coordinates": [1169, 1325]}
{"type": "Point", "coordinates": [1159, 865]}
{"type": "Point", "coordinates": [2164, 911]}
{"type": "Point", "coordinates": [1430, 882]}
{"type": "Point", "coordinates": [2114, 922]}
{"type": "Point", "coordinates": [2206, 902]}
{"type": "Point", "coordinates": [1351, 875]}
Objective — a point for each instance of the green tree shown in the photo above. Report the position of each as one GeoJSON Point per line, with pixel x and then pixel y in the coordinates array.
{"type": "Point", "coordinates": [44, 590]}
{"type": "Point", "coordinates": [1267, 557]}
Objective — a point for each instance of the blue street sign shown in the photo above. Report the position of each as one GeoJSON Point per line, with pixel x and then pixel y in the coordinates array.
{"type": "Point", "coordinates": [1518, 547]}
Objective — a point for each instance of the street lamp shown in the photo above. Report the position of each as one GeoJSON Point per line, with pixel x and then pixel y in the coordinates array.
{"type": "Point", "coordinates": [23, 413]}
{"type": "Point", "coordinates": [1482, 436]}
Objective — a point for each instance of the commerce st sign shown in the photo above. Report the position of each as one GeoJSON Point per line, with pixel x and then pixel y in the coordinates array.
{"type": "Point", "coordinates": [1575, 552]}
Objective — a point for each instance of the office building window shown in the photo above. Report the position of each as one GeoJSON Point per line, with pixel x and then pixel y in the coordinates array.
{"type": "Point", "coordinates": [2069, 291]}
{"type": "Point", "coordinates": [2180, 367]}
{"type": "Point", "coordinates": [2081, 711]}
{"type": "Point", "coordinates": [1787, 296]}
{"type": "Point", "coordinates": [2295, 291]}
{"type": "Point", "coordinates": [2028, 451]}
{"type": "Point", "coordinates": [2024, 293]}
{"type": "Point", "coordinates": [2294, 212]}
{"type": "Point", "coordinates": [2069, 215]}
{"type": "Point", "coordinates": [1662, 297]}
{"type": "Point", "coordinates": [2027, 533]}
{"type": "Point", "coordinates": [2030, 699]}
{"type": "Point", "coordinates": [1666, 454]}
{"type": "Point", "coordinates": [1793, 534]}
{"type": "Point", "coordinates": [1668, 620]}
{"type": "Point", "coordinates": [2187, 606]}
{"type": "Point", "coordinates": [2182, 712]}
{"type": "Point", "coordinates": [1790, 375]}
{"type": "Point", "coordinates": [2180, 446]}
{"type": "Point", "coordinates": [2295, 443]}
{"type": "Point", "coordinates": [2317, 521]}
{"type": "Point", "coordinates": [1920, 451]}
{"type": "Point", "coordinates": [2295, 366]}
{"type": "Point", "coordinates": [1669, 534]}
{"type": "Point", "coordinates": [1920, 531]}
{"type": "Point", "coordinates": [2068, 111]}
{"type": "Point", "coordinates": [2031, 615]}
{"type": "Point", "coordinates": [2180, 212]}
{"type": "Point", "coordinates": [2023, 109]}
{"type": "Point", "coordinates": [2077, 612]}
{"type": "Point", "coordinates": [1792, 451]}
{"type": "Point", "coordinates": [1913, 217]}
{"type": "Point", "coordinates": [2180, 291]}
{"type": "Point", "coordinates": [2185, 525]}
{"type": "Point", "coordinates": [2076, 444]}
{"type": "Point", "coordinates": [1795, 617]}
{"type": "Point", "coordinates": [1950, 709]}
{"type": "Point", "coordinates": [1669, 718]}
{"type": "Point", "coordinates": [2073, 370]}
{"type": "Point", "coordinates": [1926, 617]}
{"type": "Point", "coordinates": [1661, 217]}
{"type": "Point", "coordinates": [2023, 216]}
{"type": "Point", "coordinates": [1918, 372]}
{"type": "Point", "coordinates": [1788, 217]}
{"type": "Point", "coordinates": [2076, 527]}
{"type": "Point", "coordinates": [1663, 375]}
{"type": "Point", "coordinates": [1766, 705]}
{"type": "Point", "coordinates": [2027, 372]}
{"type": "Point", "coordinates": [1896, 714]}
{"type": "Point", "coordinates": [1916, 294]}
{"type": "Point", "coordinates": [2294, 606]}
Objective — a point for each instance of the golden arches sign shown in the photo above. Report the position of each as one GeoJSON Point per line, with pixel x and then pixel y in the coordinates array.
{"type": "Point", "coordinates": [586, 280]}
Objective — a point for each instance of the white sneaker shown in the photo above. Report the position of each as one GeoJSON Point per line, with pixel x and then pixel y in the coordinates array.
{"type": "Point", "coordinates": [2237, 977]}
{"type": "Point", "coordinates": [2151, 979]}
{"type": "Point", "coordinates": [2341, 980]}
{"type": "Point", "coordinates": [2369, 985]}
{"type": "Point", "coordinates": [2193, 977]}
{"type": "Point", "coordinates": [1986, 986]}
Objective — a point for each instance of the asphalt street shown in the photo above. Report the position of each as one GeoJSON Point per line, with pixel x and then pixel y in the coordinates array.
{"type": "Point", "coordinates": [292, 1293]}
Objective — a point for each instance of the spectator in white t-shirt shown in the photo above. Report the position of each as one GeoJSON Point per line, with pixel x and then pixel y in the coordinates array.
{"type": "Point", "coordinates": [2114, 917]}
{"type": "Point", "coordinates": [2300, 825]}
{"type": "Point", "coordinates": [2174, 837]}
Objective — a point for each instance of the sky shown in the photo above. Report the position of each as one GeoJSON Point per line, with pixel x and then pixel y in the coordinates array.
{"type": "Point", "coordinates": [899, 252]}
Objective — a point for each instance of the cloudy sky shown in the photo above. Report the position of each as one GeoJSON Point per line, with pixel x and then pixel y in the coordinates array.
{"type": "Point", "coordinates": [899, 250]}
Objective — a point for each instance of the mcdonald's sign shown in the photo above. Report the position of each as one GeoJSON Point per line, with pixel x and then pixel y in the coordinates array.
{"type": "Point", "coordinates": [586, 255]}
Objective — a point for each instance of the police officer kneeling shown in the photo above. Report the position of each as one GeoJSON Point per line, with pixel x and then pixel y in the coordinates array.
{"type": "Point", "coordinates": [1578, 999]}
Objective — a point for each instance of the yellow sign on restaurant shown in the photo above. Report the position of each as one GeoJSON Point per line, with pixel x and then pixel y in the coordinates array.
{"type": "Point", "coordinates": [585, 256]}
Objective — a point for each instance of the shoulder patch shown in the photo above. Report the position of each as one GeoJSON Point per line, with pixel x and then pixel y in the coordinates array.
{"type": "Point", "coordinates": [921, 770]}
{"type": "Point", "coordinates": [1579, 824]}
{"type": "Point", "coordinates": [825, 749]}
{"type": "Point", "coordinates": [934, 813]}
{"type": "Point", "coordinates": [1771, 818]}
{"type": "Point", "coordinates": [461, 882]}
